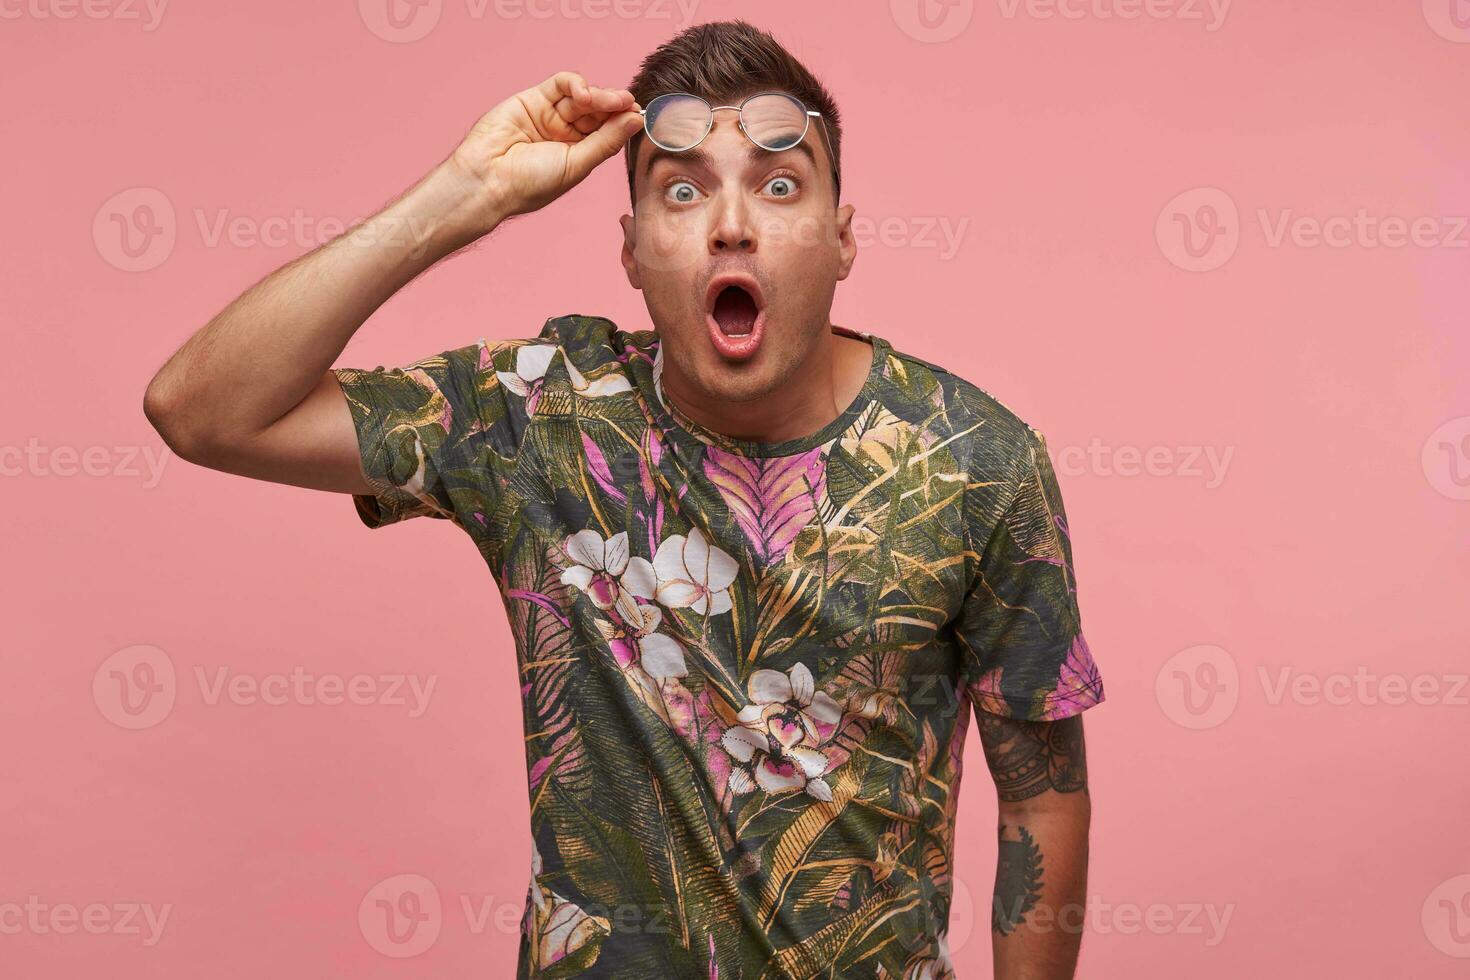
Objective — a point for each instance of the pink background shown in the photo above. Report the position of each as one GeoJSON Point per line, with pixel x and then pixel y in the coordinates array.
{"type": "Point", "coordinates": [1329, 829]}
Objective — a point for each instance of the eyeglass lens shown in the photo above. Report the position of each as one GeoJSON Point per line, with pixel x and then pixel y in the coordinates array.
{"type": "Point", "coordinates": [678, 122]}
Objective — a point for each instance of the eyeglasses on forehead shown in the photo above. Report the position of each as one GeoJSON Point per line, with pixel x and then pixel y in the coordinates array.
{"type": "Point", "coordinates": [775, 121]}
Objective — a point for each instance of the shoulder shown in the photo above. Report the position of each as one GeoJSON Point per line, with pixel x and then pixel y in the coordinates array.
{"type": "Point", "coordinates": [575, 356]}
{"type": "Point", "coordinates": [590, 343]}
{"type": "Point", "coordinates": [587, 339]}
{"type": "Point", "coordinates": [584, 341]}
{"type": "Point", "coordinates": [1002, 456]}
{"type": "Point", "coordinates": [996, 442]}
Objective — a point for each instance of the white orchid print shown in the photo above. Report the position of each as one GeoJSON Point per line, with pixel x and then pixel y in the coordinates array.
{"type": "Point", "coordinates": [658, 374]}
{"type": "Point", "coordinates": [529, 372]}
{"type": "Point", "coordinates": [715, 647]}
{"type": "Point", "coordinates": [634, 643]}
{"type": "Point", "coordinates": [609, 384]}
{"type": "Point", "coordinates": [599, 565]}
{"type": "Point", "coordinates": [777, 745]}
{"type": "Point", "coordinates": [529, 376]}
{"type": "Point", "coordinates": [562, 933]}
{"type": "Point", "coordinates": [687, 572]}
{"type": "Point", "coordinates": [630, 634]}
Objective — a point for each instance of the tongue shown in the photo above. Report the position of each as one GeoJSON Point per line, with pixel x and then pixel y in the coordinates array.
{"type": "Point", "coordinates": [735, 311]}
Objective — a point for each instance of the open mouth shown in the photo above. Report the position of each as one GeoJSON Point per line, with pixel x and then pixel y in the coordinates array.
{"type": "Point", "coordinates": [735, 311]}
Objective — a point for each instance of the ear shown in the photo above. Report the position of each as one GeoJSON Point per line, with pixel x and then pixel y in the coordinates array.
{"type": "Point", "coordinates": [846, 244]}
{"type": "Point", "coordinates": [630, 244]}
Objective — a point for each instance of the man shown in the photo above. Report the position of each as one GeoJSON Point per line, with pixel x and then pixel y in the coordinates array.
{"type": "Point", "coordinates": [758, 566]}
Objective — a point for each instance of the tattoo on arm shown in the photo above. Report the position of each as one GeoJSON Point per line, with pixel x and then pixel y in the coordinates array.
{"type": "Point", "coordinates": [1027, 758]}
{"type": "Point", "coordinates": [1017, 881]}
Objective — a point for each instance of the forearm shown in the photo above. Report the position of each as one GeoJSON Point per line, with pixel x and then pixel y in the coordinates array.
{"type": "Point", "coordinates": [261, 355]}
{"type": "Point", "coordinates": [1040, 887]}
{"type": "Point", "coordinates": [1045, 809]}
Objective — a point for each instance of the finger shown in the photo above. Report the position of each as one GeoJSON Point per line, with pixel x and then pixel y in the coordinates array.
{"type": "Point", "coordinates": [570, 84]}
{"type": "Point", "coordinates": [585, 123]}
{"type": "Point", "coordinates": [563, 83]}
{"type": "Point", "coordinates": [590, 123]}
{"type": "Point", "coordinates": [602, 143]}
{"type": "Point", "coordinates": [569, 110]}
{"type": "Point", "coordinates": [595, 101]}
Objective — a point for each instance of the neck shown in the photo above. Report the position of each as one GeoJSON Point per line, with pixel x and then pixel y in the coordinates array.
{"type": "Point", "coordinates": [820, 388]}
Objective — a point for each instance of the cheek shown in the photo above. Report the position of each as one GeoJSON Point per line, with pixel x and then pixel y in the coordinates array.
{"type": "Point", "coordinates": [669, 247]}
{"type": "Point", "coordinates": [804, 265]}
{"type": "Point", "coordinates": [806, 242]}
{"type": "Point", "coordinates": [668, 293]}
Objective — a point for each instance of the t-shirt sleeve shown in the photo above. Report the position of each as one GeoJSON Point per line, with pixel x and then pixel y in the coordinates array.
{"type": "Point", "coordinates": [438, 437]}
{"type": "Point", "coordinates": [1019, 628]}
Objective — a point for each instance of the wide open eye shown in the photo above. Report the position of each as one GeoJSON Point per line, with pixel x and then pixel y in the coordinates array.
{"type": "Point", "coordinates": [681, 192]}
{"type": "Point", "coordinates": [781, 186]}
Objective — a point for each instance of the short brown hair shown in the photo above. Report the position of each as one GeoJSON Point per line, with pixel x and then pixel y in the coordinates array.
{"type": "Point", "coordinates": [723, 62]}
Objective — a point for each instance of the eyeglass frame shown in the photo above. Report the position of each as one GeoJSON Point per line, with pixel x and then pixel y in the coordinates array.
{"type": "Point", "coordinates": [807, 113]}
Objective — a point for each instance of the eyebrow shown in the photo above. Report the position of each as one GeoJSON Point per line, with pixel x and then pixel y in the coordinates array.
{"type": "Point", "coordinates": [701, 157]}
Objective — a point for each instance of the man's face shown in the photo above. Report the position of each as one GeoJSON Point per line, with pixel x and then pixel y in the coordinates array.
{"type": "Point", "coordinates": [728, 211]}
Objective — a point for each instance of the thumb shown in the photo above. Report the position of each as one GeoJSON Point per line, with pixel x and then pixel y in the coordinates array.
{"type": "Point", "coordinates": [603, 142]}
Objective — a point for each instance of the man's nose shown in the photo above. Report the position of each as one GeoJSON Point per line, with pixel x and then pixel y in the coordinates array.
{"type": "Point", "coordinates": [731, 228]}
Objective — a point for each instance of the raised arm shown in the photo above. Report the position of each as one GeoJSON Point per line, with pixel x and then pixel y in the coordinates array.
{"type": "Point", "coordinates": [1040, 773]}
{"type": "Point", "coordinates": [251, 392]}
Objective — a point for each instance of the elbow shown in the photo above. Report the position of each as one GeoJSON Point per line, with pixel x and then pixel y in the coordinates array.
{"type": "Point", "coordinates": [164, 411]}
{"type": "Point", "coordinates": [1072, 804]}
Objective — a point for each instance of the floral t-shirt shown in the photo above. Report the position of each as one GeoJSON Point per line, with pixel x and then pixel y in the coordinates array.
{"type": "Point", "coordinates": [746, 668]}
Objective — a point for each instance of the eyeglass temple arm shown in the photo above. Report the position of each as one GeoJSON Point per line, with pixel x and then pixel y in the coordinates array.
{"type": "Point", "coordinates": [831, 156]}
